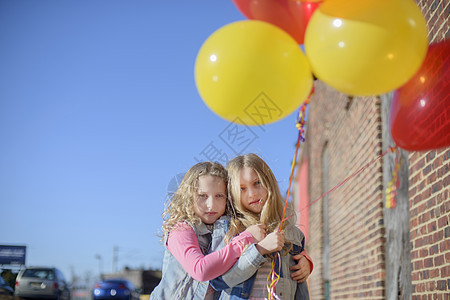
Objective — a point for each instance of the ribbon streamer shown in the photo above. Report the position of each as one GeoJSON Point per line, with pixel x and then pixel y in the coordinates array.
{"type": "Point", "coordinates": [273, 277]}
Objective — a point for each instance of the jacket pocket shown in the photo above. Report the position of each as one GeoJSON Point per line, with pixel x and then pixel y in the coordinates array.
{"type": "Point", "coordinates": [285, 288]}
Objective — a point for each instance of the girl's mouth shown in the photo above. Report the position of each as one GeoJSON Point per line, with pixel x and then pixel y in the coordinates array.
{"type": "Point", "coordinates": [256, 202]}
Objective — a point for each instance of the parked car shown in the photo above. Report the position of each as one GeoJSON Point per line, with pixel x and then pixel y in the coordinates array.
{"type": "Point", "coordinates": [5, 289]}
{"type": "Point", "coordinates": [39, 282]}
{"type": "Point", "coordinates": [115, 289]}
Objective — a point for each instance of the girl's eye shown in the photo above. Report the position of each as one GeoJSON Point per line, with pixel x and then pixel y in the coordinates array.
{"type": "Point", "coordinates": [202, 196]}
{"type": "Point", "coordinates": [242, 189]}
{"type": "Point", "coordinates": [220, 195]}
{"type": "Point", "coordinates": [258, 182]}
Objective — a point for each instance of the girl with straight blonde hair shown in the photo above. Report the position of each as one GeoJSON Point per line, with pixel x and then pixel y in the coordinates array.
{"type": "Point", "coordinates": [257, 199]}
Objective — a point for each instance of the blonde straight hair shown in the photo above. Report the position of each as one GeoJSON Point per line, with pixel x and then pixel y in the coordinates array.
{"type": "Point", "coordinates": [272, 212]}
{"type": "Point", "coordinates": [181, 204]}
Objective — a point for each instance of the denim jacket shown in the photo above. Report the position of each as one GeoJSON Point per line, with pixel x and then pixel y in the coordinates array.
{"type": "Point", "coordinates": [237, 283]}
{"type": "Point", "coordinates": [176, 283]}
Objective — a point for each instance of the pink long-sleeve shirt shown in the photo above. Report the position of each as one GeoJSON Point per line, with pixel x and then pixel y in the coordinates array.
{"type": "Point", "coordinates": [183, 244]}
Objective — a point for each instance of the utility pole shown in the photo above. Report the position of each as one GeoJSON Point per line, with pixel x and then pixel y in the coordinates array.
{"type": "Point", "coordinates": [100, 267]}
{"type": "Point", "coordinates": [115, 258]}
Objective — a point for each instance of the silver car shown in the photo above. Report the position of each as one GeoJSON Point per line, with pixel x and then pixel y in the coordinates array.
{"type": "Point", "coordinates": [38, 282]}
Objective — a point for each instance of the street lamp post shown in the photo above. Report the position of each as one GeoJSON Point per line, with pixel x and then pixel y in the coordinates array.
{"type": "Point", "coordinates": [100, 265]}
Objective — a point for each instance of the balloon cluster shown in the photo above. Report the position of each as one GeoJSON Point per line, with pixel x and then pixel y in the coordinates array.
{"type": "Point", "coordinates": [255, 72]}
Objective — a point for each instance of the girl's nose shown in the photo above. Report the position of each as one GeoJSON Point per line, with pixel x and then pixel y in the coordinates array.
{"type": "Point", "coordinates": [251, 192]}
{"type": "Point", "coordinates": [209, 202]}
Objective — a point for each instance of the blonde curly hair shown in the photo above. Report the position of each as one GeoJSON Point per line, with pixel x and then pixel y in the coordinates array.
{"type": "Point", "coordinates": [272, 212]}
{"type": "Point", "coordinates": [180, 206]}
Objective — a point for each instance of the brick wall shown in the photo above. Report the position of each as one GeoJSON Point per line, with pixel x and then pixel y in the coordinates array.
{"type": "Point", "coordinates": [430, 229]}
{"type": "Point", "coordinates": [429, 179]}
{"type": "Point", "coordinates": [436, 13]}
{"type": "Point", "coordinates": [350, 128]}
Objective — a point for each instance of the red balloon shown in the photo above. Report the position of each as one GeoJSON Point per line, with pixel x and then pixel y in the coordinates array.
{"type": "Point", "coordinates": [291, 16]}
{"type": "Point", "coordinates": [420, 111]}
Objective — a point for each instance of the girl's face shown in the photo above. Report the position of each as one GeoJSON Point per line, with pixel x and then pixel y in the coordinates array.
{"type": "Point", "coordinates": [211, 200]}
{"type": "Point", "coordinates": [253, 194]}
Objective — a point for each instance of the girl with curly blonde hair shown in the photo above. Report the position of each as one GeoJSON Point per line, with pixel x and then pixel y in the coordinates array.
{"type": "Point", "coordinates": [195, 221]}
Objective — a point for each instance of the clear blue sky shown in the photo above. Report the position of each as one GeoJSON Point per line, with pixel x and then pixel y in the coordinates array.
{"type": "Point", "coordinates": [98, 112]}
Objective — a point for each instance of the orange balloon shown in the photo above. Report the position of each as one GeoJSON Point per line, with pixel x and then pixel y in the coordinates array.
{"type": "Point", "coordinates": [291, 16]}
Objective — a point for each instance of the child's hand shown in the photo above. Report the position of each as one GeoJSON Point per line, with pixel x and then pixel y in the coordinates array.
{"type": "Point", "coordinates": [258, 231]}
{"type": "Point", "coordinates": [302, 268]}
{"type": "Point", "coordinates": [271, 243]}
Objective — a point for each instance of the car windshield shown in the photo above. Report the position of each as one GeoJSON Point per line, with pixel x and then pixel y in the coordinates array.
{"type": "Point", "coordinates": [39, 273]}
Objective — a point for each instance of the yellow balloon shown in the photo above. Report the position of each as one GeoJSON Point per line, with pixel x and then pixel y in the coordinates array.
{"type": "Point", "coordinates": [366, 47]}
{"type": "Point", "coordinates": [253, 73]}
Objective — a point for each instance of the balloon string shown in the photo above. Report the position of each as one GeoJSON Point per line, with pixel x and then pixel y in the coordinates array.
{"type": "Point", "coordinates": [273, 276]}
{"type": "Point", "coordinates": [300, 126]}
{"type": "Point", "coordinates": [394, 183]}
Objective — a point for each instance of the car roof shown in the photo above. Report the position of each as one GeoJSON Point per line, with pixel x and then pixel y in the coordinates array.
{"type": "Point", "coordinates": [115, 280]}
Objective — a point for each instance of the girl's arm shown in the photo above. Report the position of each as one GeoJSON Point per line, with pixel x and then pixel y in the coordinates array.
{"type": "Point", "coordinates": [304, 266]}
{"type": "Point", "coordinates": [249, 262]}
{"type": "Point", "coordinates": [183, 244]}
{"type": "Point", "coordinates": [247, 265]}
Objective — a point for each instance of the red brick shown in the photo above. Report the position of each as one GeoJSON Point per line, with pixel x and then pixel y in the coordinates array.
{"type": "Point", "coordinates": [436, 187]}
{"type": "Point", "coordinates": [434, 249]}
{"type": "Point", "coordinates": [431, 226]}
{"type": "Point", "coordinates": [423, 252]}
{"type": "Point", "coordinates": [446, 181]}
{"type": "Point", "coordinates": [442, 171]}
{"type": "Point", "coordinates": [431, 178]}
{"type": "Point", "coordinates": [445, 271]}
{"type": "Point", "coordinates": [434, 273]}
{"type": "Point", "coordinates": [441, 285]}
{"type": "Point", "coordinates": [437, 236]}
{"type": "Point", "coordinates": [442, 222]}
{"type": "Point", "coordinates": [439, 260]}
{"type": "Point", "coordinates": [444, 246]}
{"type": "Point", "coordinates": [428, 262]}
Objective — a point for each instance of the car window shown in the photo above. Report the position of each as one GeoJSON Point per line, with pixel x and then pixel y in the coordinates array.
{"type": "Point", "coordinates": [60, 275]}
{"type": "Point", "coordinates": [39, 273]}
